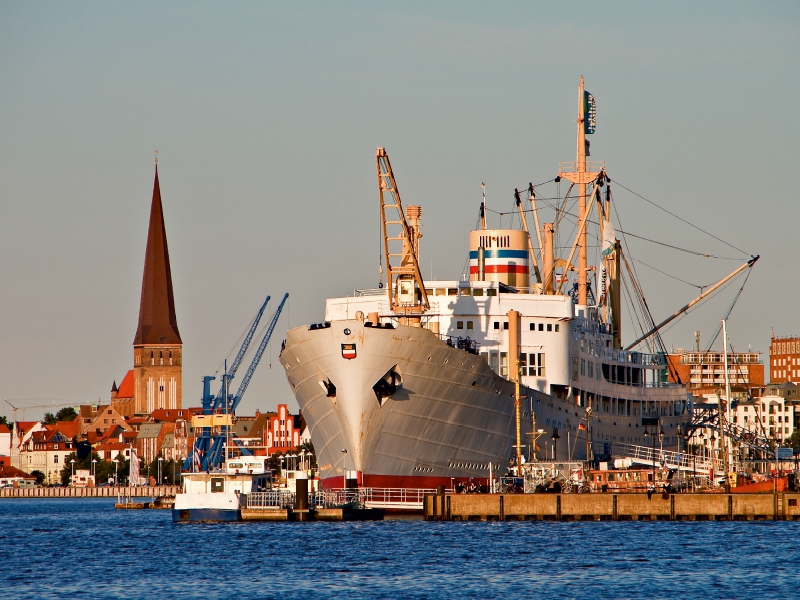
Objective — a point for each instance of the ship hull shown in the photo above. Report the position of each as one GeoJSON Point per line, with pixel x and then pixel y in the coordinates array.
{"type": "Point", "coordinates": [449, 418]}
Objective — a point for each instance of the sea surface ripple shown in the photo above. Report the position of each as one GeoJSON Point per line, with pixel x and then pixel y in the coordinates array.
{"type": "Point", "coordinates": [85, 548]}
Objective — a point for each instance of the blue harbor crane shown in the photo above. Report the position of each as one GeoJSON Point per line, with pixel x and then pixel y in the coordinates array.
{"type": "Point", "coordinates": [209, 441]}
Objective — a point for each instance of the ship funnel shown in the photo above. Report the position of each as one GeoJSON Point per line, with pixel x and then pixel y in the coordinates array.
{"type": "Point", "coordinates": [506, 257]}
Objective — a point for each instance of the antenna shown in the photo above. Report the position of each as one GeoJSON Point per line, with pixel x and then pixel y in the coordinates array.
{"type": "Point", "coordinates": [156, 156]}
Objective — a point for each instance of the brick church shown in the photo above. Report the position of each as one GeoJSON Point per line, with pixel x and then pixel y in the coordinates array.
{"type": "Point", "coordinates": [155, 380]}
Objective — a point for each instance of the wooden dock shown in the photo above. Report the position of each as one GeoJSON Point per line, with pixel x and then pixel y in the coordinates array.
{"type": "Point", "coordinates": [342, 513]}
{"type": "Point", "coordinates": [781, 506]}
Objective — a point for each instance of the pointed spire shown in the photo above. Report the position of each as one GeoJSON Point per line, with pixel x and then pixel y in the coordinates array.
{"type": "Point", "coordinates": [114, 386]}
{"type": "Point", "coordinates": [157, 321]}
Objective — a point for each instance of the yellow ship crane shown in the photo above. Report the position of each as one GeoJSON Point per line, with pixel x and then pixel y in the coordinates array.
{"type": "Point", "coordinates": [400, 244]}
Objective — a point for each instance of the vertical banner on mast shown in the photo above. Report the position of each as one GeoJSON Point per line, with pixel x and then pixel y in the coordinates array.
{"type": "Point", "coordinates": [589, 112]}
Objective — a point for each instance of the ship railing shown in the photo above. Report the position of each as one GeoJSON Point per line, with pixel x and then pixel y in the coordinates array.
{"type": "Point", "coordinates": [370, 292]}
{"type": "Point", "coordinates": [592, 166]}
{"type": "Point", "coordinates": [386, 498]}
{"type": "Point", "coordinates": [647, 455]}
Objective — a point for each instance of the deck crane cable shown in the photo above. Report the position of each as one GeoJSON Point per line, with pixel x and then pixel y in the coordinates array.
{"type": "Point", "coordinates": [682, 219]}
{"type": "Point", "coordinates": [730, 310]}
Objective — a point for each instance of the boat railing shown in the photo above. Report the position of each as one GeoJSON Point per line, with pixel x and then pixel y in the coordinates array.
{"type": "Point", "coordinates": [273, 499]}
{"type": "Point", "coordinates": [370, 292]}
{"type": "Point", "coordinates": [387, 498]}
{"type": "Point", "coordinates": [592, 166]}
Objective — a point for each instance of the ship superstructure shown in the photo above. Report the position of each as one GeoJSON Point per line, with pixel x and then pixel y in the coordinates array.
{"type": "Point", "coordinates": [418, 384]}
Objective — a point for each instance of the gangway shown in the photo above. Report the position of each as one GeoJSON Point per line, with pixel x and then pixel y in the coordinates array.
{"type": "Point", "coordinates": [649, 456]}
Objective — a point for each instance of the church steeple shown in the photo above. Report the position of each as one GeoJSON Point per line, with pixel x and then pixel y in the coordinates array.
{"type": "Point", "coordinates": [157, 321]}
{"type": "Point", "coordinates": [157, 347]}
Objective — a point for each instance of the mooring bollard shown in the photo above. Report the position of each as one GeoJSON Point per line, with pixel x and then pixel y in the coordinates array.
{"type": "Point", "coordinates": [301, 498]}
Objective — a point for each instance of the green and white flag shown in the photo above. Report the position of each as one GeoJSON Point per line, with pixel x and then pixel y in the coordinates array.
{"type": "Point", "coordinates": [609, 238]}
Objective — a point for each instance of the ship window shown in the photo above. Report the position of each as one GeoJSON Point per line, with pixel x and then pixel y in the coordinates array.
{"type": "Point", "coordinates": [460, 325]}
{"type": "Point", "coordinates": [477, 292]}
{"type": "Point", "coordinates": [464, 292]}
{"type": "Point", "coordinates": [504, 364]}
{"type": "Point", "coordinates": [523, 365]}
{"type": "Point", "coordinates": [440, 291]}
{"type": "Point", "coordinates": [541, 326]}
{"type": "Point", "coordinates": [505, 324]}
{"type": "Point", "coordinates": [452, 291]}
{"type": "Point", "coordinates": [497, 324]}
{"type": "Point", "coordinates": [583, 366]}
{"type": "Point", "coordinates": [493, 361]}
{"type": "Point", "coordinates": [556, 326]}
{"type": "Point", "coordinates": [541, 364]}
{"type": "Point", "coordinates": [469, 324]}
{"type": "Point", "coordinates": [217, 484]}
{"type": "Point", "coordinates": [429, 292]}
{"type": "Point", "coordinates": [491, 292]}
{"type": "Point", "coordinates": [549, 327]}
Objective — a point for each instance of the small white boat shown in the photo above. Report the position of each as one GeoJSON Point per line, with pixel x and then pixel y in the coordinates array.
{"type": "Point", "coordinates": [215, 495]}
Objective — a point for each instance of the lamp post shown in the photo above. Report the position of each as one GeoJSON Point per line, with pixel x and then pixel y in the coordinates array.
{"type": "Point", "coordinates": [711, 440]}
{"type": "Point", "coordinates": [653, 451]}
{"type": "Point", "coordinates": [116, 471]}
{"type": "Point", "coordinates": [72, 481]}
{"type": "Point", "coordinates": [303, 460]}
{"type": "Point", "coordinates": [94, 469]}
{"type": "Point", "coordinates": [344, 466]}
{"type": "Point", "coordinates": [160, 460]}
{"type": "Point", "coordinates": [555, 437]}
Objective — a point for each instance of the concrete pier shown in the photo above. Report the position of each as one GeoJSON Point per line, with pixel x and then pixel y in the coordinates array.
{"type": "Point", "coordinates": [90, 492]}
{"type": "Point", "coordinates": [783, 506]}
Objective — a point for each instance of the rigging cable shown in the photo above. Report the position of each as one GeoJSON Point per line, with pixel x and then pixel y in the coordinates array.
{"type": "Point", "coordinates": [728, 314]}
{"type": "Point", "coordinates": [681, 219]}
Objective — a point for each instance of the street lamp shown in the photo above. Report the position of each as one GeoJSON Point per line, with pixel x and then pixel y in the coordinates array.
{"type": "Point", "coordinates": [116, 471]}
{"type": "Point", "coordinates": [72, 481]}
{"type": "Point", "coordinates": [555, 437]}
{"type": "Point", "coordinates": [303, 459]}
{"type": "Point", "coordinates": [653, 451]}
{"type": "Point", "coordinates": [94, 469]}
{"type": "Point", "coordinates": [678, 436]}
{"type": "Point", "coordinates": [160, 460]}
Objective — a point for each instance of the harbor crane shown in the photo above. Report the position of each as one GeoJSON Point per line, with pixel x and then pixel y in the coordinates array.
{"type": "Point", "coordinates": [213, 427]}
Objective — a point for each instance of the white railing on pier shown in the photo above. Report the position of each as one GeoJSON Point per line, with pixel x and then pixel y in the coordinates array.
{"type": "Point", "coordinates": [647, 455]}
{"type": "Point", "coordinates": [386, 498]}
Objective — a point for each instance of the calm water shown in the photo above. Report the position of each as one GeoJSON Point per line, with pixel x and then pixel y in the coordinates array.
{"type": "Point", "coordinates": [85, 548]}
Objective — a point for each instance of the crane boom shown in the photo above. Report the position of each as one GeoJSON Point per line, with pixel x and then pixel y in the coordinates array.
{"type": "Point", "coordinates": [402, 267]}
{"type": "Point", "coordinates": [257, 357]}
{"type": "Point", "coordinates": [240, 355]}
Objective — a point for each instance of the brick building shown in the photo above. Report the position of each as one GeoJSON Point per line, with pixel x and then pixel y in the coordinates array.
{"type": "Point", "coordinates": [703, 372]}
{"type": "Point", "coordinates": [784, 359]}
{"type": "Point", "coordinates": [157, 345]}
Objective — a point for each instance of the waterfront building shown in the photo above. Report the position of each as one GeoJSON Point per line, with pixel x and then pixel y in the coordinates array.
{"type": "Point", "coordinates": [703, 372]}
{"type": "Point", "coordinates": [5, 444]}
{"type": "Point", "coordinates": [46, 450]}
{"type": "Point", "coordinates": [283, 431]}
{"type": "Point", "coordinates": [784, 359]}
{"type": "Point", "coordinates": [157, 345]}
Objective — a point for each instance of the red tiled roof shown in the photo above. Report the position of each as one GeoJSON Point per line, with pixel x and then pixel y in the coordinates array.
{"type": "Point", "coordinates": [171, 414]}
{"type": "Point", "coordinates": [9, 471]}
{"type": "Point", "coordinates": [69, 429]}
{"type": "Point", "coordinates": [4, 428]}
{"type": "Point", "coordinates": [126, 386]}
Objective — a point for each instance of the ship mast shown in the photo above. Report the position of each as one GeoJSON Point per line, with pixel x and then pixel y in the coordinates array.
{"type": "Point", "coordinates": [578, 174]}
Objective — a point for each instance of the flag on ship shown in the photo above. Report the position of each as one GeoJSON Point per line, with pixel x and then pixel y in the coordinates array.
{"type": "Point", "coordinates": [609, 238]}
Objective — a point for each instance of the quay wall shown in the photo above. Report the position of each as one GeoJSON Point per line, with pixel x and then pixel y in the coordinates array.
{"type": "Point", "coordinates": [616, 507]}
{"type": "Point", "coordinates": [90, 492]}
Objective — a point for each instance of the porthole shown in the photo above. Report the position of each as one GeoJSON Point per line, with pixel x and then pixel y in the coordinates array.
{"type": "Point", "coordinates": [347, 331]}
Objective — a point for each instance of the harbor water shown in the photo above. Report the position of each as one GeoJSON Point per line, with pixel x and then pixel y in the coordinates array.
{"type": "Point", "coordinates": [83, 547]}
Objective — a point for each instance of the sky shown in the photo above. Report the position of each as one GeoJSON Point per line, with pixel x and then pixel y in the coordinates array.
{"type": "Point", "coordinates": [266, 117]}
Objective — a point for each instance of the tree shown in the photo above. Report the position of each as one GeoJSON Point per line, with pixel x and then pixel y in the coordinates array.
{"type": "Point", "coordinates": [66, 414]}
{"type": "Point", "coordinates": [793, 441]}
{"type": "Point", "coordinates": [39, 476]}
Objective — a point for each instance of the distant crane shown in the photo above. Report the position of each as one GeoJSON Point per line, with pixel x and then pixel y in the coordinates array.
{"type": "Point", "coordinates": [209, 441]}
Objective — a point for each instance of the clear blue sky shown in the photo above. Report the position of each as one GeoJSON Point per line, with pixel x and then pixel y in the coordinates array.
{"type": "Point", "coordinates": [267, 115]}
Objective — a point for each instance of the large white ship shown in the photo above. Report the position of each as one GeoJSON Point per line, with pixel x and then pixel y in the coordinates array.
{"type": "Point", "coordinates": [419, 384]}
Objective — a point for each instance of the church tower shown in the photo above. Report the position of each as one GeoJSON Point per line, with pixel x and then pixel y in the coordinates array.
{"type": "Point", "coordinates": [157, 347]}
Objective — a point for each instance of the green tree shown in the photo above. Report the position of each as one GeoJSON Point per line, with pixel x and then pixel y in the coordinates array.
{"type": "Point", "coordinates": [49, 419]}
{"type": "Point", "coordinates": [66, 414]}
{"type": "Point", "coordinates": [793, 441]}
{"type": "Point", "coordinates": [39, 476]}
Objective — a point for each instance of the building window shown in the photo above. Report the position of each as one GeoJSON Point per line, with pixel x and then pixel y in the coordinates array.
{"type": "Point", "coordinates": [533, 327]}
{"type": "Point", "coordinates": [55, 459]}
{"type": "Point", "coordinates": [505, 324]}
{"type": "Point", "coordinates": [541, 326]}
{"type": "Point", "coordinates": [497, 324]}
{"type": "Point", "coordinates": [152, 358]}
{"type": "Point", "coordinates": [460, 325]}
{"type": "Point", "coordinates": [549, 327]}
{"type": "Point", "coordinates": [469, 324]}
{"type": "Point", "coordinates": [556, 326]}
{"type": "Point", "coordinates": [491, 292]}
